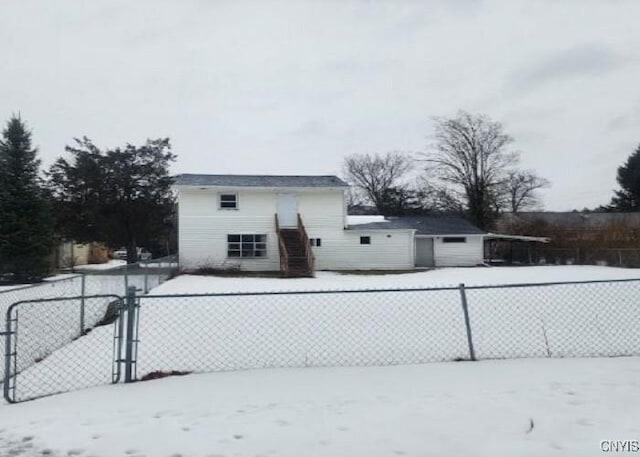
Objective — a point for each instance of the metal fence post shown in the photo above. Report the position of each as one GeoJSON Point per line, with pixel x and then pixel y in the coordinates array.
{"type": "Point", "coordinates": [6, 385]}
{"type": "Point", "coordinates": [82, 304]}
{"type": "Point", "coordinates": [145, 265]}
{"type": "Point", "coordinates": [126, 278]}
{"type": "Point", "coordinates": [130, 337]}
{"type": "Point", "coordinates": [467, 322]}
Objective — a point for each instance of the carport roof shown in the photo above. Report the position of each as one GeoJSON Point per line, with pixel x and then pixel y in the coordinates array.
{"type": "Point", "coordinates": [423, 225]}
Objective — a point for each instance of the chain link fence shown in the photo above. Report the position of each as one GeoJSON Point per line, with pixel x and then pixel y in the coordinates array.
{"type": "Point", "coordinates": [579, 319]}
{"type": "Point", "coordinates": [60, 319]}
{"type": "Point", "coordinates": [235, 331]}
{"type": "Point", "coordinates": [541, 255]}
{"type": "Point", "coordinates": [143, 275]}
{"type": "Point", "coordinates": [58, 345]}
{"type": "Point", "coordinates": [342, 328]}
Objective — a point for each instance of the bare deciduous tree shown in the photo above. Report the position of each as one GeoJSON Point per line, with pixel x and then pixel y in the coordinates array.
{"type": "Point", "coordinates": [470, 154]}
{"type": "Point", "coordinates": [375, 175]}
{"type": "Point", "coordinates": [438, 199]}
{"type": "Point", "coordinates": [521, 187]}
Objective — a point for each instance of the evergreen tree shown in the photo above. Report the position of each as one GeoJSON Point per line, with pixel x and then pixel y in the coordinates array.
{"type": "Point", "coordinates": [628, 197]}
{"type": "Point", "coordinates": [26, 237]}
{"type": "Point", "coordinates": [121, 197]}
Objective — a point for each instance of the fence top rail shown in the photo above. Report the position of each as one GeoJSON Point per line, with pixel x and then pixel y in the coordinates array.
{"type": "Point", "coordinates": [68, 277]}
{"type": "Point", "coordinates": [172, 259]}
{"type": "Point", "coordinates": [55, 299]}
{"type": "Point", "coordinates": [299, 292]}
{"type": "Point", "coordinates": [553, 283]}
{"type": "Point", "coordinates": [386, 290]}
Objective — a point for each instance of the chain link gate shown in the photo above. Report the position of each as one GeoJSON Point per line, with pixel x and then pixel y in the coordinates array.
{"type": "Point", "coordinates": [61, 344]}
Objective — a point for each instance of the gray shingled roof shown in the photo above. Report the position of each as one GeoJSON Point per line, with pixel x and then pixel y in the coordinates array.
{"type": "Point", "coordinates": [425, 225]}
{"type": "Point", "coordinates": [259, 181]}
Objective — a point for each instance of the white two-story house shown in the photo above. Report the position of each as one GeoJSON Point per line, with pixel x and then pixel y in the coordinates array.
{"type": "Point", "coordinates": [298, 224]}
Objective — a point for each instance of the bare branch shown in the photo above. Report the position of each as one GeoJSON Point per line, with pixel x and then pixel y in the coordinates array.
{"type": "Point", "coordinates": [470, 156]}
{"type": "Point", "coordinates": [376, 174]}
{"type": "Point", "coordinates": [521, 187]}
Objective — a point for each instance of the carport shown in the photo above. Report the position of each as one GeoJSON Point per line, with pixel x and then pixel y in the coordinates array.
{"type": "Point", "coordinates": [493, 243]}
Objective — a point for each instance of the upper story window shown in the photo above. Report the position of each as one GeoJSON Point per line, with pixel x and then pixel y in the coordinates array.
{"type": "Point", "coordinates": [454, 239]}
{"type": "Point", "coordinates": [228, 201]}
{"type": "Point", "coordinates": [315, 242]}
{"type": "Point", "coordinates": [365, 240]}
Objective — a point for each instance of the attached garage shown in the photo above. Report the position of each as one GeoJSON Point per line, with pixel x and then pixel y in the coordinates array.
{"type": "Point", "coordinates": [438, 241]}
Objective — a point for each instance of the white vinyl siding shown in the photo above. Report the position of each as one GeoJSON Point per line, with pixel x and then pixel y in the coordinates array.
{"type": "Point", "coordinates": [389, 250]}
{"type": "Point", "coordinates": [203, 229]}
{"type": "Point", "coordinates": [203, 232]}
{"type": "Point", "coordinates": [458, 254]}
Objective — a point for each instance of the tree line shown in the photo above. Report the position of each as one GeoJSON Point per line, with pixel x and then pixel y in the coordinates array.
{"type": "Point", "coordinates": [122, 196]}
{"type": "Point", "coordinates": [468, 169]}
{"type": "Point", "coordinates": [118, 196]}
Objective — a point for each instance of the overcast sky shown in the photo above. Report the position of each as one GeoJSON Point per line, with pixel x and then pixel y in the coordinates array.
{"type": "Point", "coordinates": [293, 87]}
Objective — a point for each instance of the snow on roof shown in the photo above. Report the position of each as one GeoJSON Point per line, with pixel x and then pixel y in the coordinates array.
{"type": "Point", "coordinates": [360, 220]}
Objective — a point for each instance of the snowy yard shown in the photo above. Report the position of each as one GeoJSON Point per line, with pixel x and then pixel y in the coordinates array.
{"type": "Point", "coordinates": [111, 264]}
{"type": "Point", "coordinates": [205, 334]}
{"type": "Point", "coordinates": [434, 278]}
{"type": "Point", "coordinates": [510, 408]}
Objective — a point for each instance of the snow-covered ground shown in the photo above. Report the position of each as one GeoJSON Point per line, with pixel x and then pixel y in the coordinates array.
{"type": "Point", "coordinates": [534, 407]}
{"type": "Point", "coordinates": [48, 280]}
{"type": "Point", "coordinates": [223, 333]}
{"type": "Point", "coordinates": [434, 278]}
{"type": "Point", "coordinates": [113, 263]}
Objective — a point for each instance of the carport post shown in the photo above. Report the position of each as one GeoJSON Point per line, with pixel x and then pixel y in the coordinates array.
{"type": "Point", "coordinates": [467, 323]}
{"type": "Point", "coordinates": [130, 334]}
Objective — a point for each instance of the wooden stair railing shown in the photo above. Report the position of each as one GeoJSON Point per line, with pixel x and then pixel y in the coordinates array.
{"type": "Point", "coordinates": [304, 241]}
{"type": "Point", "coordinates": [284, 255]}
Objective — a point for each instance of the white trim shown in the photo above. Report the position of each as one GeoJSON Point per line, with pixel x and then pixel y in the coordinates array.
{"type": "Point", "coordinates": [254, 234]}
{"type": "Point", "coordinates": [219, 199]}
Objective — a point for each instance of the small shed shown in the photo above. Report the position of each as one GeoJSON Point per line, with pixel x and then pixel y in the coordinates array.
{"type": "Point", "coordinates": [438, 241]}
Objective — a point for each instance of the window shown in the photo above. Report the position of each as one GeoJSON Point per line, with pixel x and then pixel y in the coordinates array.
{"type": "Point", "coordinates": [365, 240]}
{"type": "Point", "coordinates": [228, 201]}
{"type": "Point", "coordinates": [454, 239]}
{"type": "Point", "coordinates": [317, 242]}
{"type": "Point", "coordinates": [246, 245]}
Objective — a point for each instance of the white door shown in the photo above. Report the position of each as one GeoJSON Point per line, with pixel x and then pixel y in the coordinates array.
{"type": "Point", "coordinates": [424, 252]}
{"type": "Point", "coordinates": [288, 210]}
